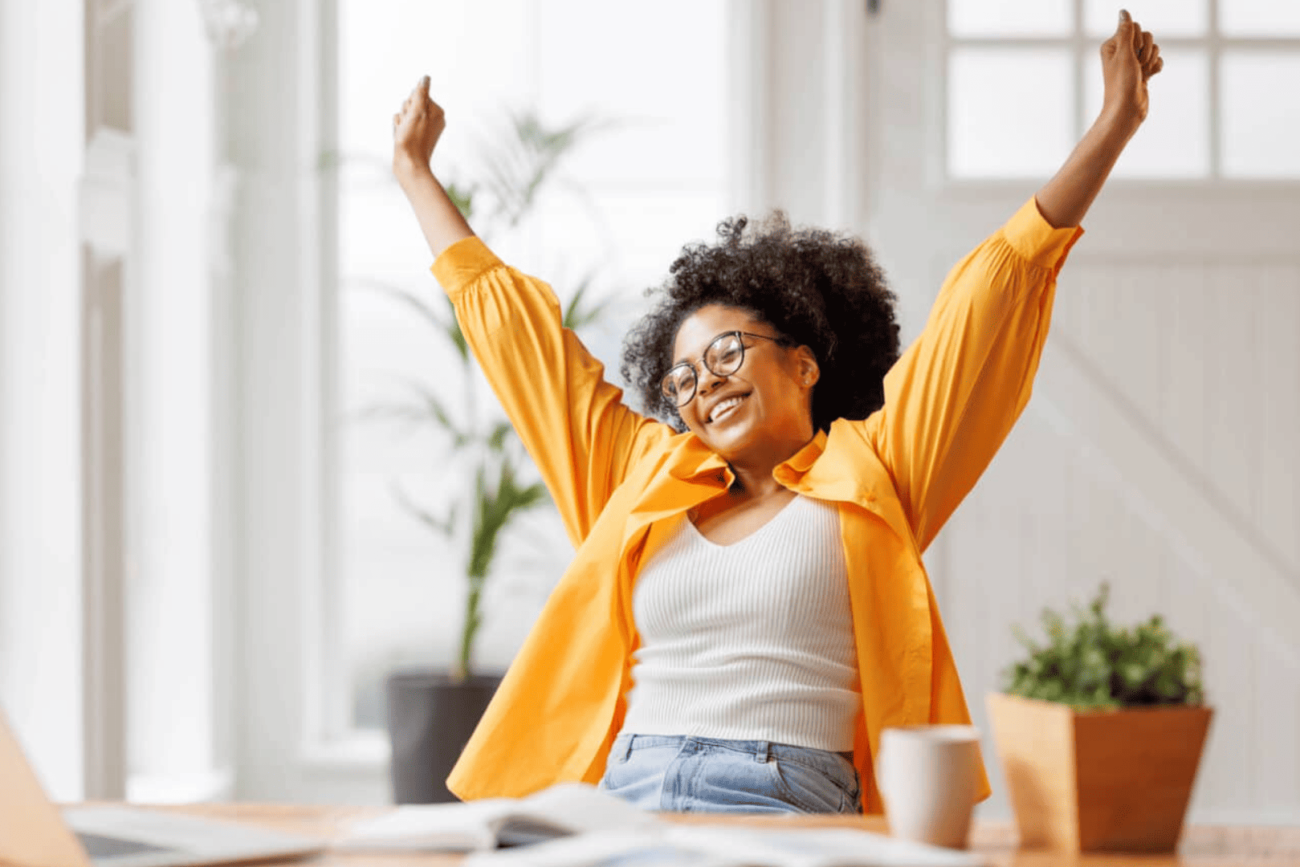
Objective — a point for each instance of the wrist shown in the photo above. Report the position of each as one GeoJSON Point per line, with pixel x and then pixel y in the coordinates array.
{"type": "Point", "coordinates": [411, 173]}
{"type": "Point", "coordinates": [1117, 124]}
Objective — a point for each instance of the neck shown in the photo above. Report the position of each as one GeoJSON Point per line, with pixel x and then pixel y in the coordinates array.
{"type": "Point", "coordinates": [754, 473]}
{"type": "Point", "coordinates": [750, 483]}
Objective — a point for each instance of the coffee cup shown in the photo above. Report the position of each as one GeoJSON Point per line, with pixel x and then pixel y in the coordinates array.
{"type": "Point", "coordinates": [929, 776]}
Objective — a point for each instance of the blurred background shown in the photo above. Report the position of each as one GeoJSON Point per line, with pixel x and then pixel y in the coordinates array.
{"type": "Point", "coordinates": [211, 552]}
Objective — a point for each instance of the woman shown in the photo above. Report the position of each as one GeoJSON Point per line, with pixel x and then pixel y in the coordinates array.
{"type": "Point", "coordinates": [747, 609]}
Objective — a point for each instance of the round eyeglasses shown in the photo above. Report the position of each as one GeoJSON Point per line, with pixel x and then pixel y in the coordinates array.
{"type": "Point", "coordinates": [723, 357]}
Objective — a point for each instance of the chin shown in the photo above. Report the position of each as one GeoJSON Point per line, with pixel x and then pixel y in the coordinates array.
{"type": "Point", "coordinates": [729, 442]}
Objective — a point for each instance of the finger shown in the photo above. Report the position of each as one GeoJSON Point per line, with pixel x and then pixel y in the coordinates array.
{"type": "Point", "coordinates": [1125, 22]}
{"type": "Point", "coordinates": [1159, 65]}
{"type": "Point", "coordinates": [1144, 52]}
{"type": "Point", "coordinates": [1151, 61]}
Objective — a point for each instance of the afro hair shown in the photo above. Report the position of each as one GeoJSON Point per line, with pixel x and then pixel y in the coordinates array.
{"type": "Point", "coordinates": [817, 288]}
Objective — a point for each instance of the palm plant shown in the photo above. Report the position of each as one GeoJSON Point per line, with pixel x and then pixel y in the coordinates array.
{"type": "Point", "coordinates": [501, 484]}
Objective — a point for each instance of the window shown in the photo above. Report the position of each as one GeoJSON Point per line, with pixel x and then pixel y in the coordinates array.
{"type": "Point", "coordinates": [650, 180]}
{"type": "Point", "coordinates": [1009, 63]}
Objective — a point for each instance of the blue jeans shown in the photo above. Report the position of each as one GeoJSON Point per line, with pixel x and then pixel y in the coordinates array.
{"type": "Point", "coordinates": [683, 774]}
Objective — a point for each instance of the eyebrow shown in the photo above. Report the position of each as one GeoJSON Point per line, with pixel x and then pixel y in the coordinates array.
{"type": "Point", "coordinates": [743, 332]}
{"type": "Point", "coordinates": [683, 360]}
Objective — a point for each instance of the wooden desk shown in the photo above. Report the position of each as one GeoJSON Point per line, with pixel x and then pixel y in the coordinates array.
{"type": "Point", "coordinates": [1201, 846]}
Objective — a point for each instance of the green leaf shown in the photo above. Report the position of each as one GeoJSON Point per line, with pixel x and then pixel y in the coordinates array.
{"type": "Point", "coordinates": [578, 314]}
{"type": "Point", "coordinates": [451, 328]}
{"type": "Point", "coordinates": [1088, 663]}
{"type": "Point", "coordinates": [444, 525]}
{"type": "Point", "coordinates": [415, 302]}
{"type": "Point", "coordinates": [499, 435]}
{"type": "Point", "coordinates": [463, 198]}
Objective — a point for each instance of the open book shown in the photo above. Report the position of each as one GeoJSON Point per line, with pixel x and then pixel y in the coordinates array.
{"type": "Point", "coordinates": [578, 825]}
{"type": "Point", "coordinates": [728, 845]}
{"type": "Point", "coordinates": [561, 810]}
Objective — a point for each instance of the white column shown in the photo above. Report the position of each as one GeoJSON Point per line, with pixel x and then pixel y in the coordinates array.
{"type": "Point", "coordinates": [798, 96]}
{"type": "Point", "coordinates": [272, 85]}
{"type": "Point", "coordinates": [41, 114]}
{"type": "Point", "coordinates": [172, 664]}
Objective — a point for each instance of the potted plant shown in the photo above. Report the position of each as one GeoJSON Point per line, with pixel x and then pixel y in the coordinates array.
{"type": "Point", "coordinates": [1100, 731]}
{"type": "Point", "coordinates": [432, 713]}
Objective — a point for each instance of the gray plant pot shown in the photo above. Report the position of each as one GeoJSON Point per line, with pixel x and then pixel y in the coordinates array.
{"type": "Point", "coordinates": [429, 720]}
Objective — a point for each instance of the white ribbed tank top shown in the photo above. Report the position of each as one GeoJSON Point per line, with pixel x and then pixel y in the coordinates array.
{"type": "Point", "coordinates": [751, 641]}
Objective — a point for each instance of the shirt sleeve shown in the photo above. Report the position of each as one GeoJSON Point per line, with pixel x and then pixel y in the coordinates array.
{"type": "Point", "coordinates": [954, 395]}
{"type": "Point", "coordinates": [573, 423]}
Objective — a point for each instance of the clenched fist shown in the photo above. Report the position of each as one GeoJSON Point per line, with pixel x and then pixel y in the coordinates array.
{"type": "Point", "coordinates": [416, 129]}
{"type": "Point", "coordinates": [1128, 60]}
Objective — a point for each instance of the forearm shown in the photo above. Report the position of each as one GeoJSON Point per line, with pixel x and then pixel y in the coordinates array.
{"type": "Point", "coordinates": [439, 219]}
{"type": "Point", "coordinates": [1065, 199]}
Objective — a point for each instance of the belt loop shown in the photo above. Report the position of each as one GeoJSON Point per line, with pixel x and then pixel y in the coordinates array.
{"type": "Point", "coordinates": [625, 749]}
{"type": "Point", "coordinates": [764, 752]}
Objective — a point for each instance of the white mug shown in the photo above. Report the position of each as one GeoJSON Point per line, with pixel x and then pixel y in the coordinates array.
{"type": "Point", "coordinates": [928, 777]}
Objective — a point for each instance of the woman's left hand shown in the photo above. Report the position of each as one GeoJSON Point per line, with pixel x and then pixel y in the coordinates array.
{"type": "Point", "coordinates": [1128, 60]}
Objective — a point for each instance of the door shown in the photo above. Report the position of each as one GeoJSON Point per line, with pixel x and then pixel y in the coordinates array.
{"type": "Point", "coordinates": [1158, 451]}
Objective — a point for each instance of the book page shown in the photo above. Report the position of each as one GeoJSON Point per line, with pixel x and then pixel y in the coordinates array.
{"type": "Point", "coordinates": [567, 808]}
{"type": "Point", "coordinates": [430, 827]}
{"type": "Point", "coordinates": [724, 845]}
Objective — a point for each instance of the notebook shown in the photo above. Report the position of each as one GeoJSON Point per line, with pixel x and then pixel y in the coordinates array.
{"type": "Point", "coordinates": [35, 833]}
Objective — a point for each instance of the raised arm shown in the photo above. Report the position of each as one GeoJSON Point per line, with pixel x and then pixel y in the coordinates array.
{"type": "Point", "coordinates": [1128, 60]}
{"type": "Point", "coordinates": [416, 130]}
{"type": "Point", "coordinates": [573, 423]}
{"type": "Point", "coordinates": [953, 397]}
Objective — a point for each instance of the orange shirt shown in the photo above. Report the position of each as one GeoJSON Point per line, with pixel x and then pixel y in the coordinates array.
{"type": "Point", "coordinates": [895, 477]}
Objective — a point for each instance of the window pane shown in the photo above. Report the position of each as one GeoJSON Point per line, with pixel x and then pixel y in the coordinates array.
{"type": "Point", "coordinates": [1261, 117]}
{"type": "Point", "coordinates": [658, 111]}
{"type": "Point", "coordinates": [1010, 112]}
{"type": "Point", "coordinates": [1175, 140]}
{"type": "Point", "coordinates": [1010, 18]}
{"type": "Point", "coordinates": [1259, 17]}
{"type": "Point", "coordinates": [649, 183]}
{"type": "Point", "coordinates": [1162, 17]}
{"type": "Point", "coordinates": [384, 47]}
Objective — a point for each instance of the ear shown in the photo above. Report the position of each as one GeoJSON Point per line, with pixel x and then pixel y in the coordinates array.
{"type": "Point", "coordinates": [806, 367]}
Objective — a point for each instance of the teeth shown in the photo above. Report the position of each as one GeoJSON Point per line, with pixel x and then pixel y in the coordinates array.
{"type": "Point", "coordinates": [724, 409]}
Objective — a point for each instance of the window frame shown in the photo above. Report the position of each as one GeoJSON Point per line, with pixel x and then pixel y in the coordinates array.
{"type": "Point", "coordinates": [1083, 47]}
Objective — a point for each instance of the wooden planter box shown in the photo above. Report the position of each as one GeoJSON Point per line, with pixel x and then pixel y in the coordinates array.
{"type": "Point", "coordinates": [1113, 781]}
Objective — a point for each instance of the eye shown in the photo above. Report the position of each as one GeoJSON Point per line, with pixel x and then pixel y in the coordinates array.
{"type": "Point", "coordinates": [677, 380]}
{"type": "Point", "coordinates": [724, 351]}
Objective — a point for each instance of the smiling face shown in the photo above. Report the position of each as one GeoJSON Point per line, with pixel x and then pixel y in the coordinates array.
{"type": "Point", "coordinates": [762, 413]}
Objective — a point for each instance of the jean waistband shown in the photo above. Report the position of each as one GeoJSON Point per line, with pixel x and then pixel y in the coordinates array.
{"type": "Point", "coordinates": [762, 751]}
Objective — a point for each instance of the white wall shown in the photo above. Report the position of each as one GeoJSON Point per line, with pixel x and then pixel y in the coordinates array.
{"type": "Point", "coordinates": [171, 583]}
{"type": "Point", "coordinates": [149, 202]}
{"type": "Point", "coordinates": [41, 146]}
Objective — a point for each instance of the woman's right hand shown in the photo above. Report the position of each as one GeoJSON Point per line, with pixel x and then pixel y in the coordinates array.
{"type": "Point", "coordinates": [416, 129]}
{"type": "Point", "coordinates": [1128, 61]}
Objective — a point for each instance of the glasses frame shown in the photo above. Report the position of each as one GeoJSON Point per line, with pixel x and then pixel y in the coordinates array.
{"type": "Point", "coordinates": [692, 366]}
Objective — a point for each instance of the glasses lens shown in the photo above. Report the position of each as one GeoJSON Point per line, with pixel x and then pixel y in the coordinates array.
{"type": "Point", "coordinates": [725, 354]}
{"type": "Point", "coordinates": [679, 384]}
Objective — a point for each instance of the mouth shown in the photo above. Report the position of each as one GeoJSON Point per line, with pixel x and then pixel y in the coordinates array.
{"type": "Point", "coordinates": [724, 408]}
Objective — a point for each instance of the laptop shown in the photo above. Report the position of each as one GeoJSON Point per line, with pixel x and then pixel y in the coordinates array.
{"type": "Point", "coordinates": [35, 833]}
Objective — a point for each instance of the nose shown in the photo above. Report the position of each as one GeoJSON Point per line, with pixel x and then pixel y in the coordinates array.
{"type": "Point", "coordinates": [706, 380]}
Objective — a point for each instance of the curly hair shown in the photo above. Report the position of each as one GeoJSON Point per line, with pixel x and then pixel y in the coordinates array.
{"type": "Point", "coordinates": [816, 288]}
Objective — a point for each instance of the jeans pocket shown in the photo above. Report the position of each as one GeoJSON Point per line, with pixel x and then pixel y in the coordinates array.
{"type": "Point", "coordinates": [814, 791]}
